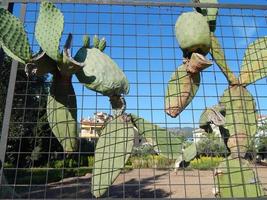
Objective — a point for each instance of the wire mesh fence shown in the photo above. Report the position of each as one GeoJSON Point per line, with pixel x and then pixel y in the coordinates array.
{"type": "Point", "coordinates": [154, 155]}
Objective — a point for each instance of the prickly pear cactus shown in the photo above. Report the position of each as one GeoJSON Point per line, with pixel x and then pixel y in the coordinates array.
{"type": "Point", "coordinates": [193, 33]}
{"type": "Point", "coordinates": [62, 112]}
{"type": "Point", "coordinates": [13, 38]}
{"type": "Point", "coordinates": [254, 66]}
{"type": "Point", "coordinates": [241, 119]}
{"type": "Point", "coordinates": [214, 115]}
{"type": "Point", "coordinates": [209, 13]}
{"type": "Point", "coordinates": [163, 141]}
{"type": "Point", "coordinates": [236, 179]}
{"type": "Point", "coordinates": [49, 28]}
{"type": "Point", "coordinates": [100, 73]}
{"type": "Point", "coordinates": [181, 89]}
{"type": "Point", "coordinates": [112, 151]}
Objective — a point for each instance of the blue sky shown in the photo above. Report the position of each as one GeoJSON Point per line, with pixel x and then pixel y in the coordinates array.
{"type": "Point", "coordinates": [142, 42]}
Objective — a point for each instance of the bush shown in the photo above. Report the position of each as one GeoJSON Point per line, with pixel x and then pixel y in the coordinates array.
{"type": "Point", "coordinates": [143, 150]}
{"type": "Point", "coordinates": [91, 160]}
{"type": "Point", "coordinates": [212, 146]}
{"type": "Point", "coordinates": [205, 163]}
{"type": "Point", "coordinates": [151, 161]}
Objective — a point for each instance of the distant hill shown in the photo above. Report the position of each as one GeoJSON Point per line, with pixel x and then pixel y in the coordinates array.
{"type": "Point", "coordinates": [186, 131]}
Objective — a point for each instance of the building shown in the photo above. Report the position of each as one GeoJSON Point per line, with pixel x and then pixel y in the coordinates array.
{"type": "Point", "coordinates": [91, 127]}
{"type": "Point", "coordinates": [200, 133]}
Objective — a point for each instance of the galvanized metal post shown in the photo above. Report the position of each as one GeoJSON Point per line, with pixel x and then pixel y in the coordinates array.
{"type": "Point", "coordinates": [9, 101]}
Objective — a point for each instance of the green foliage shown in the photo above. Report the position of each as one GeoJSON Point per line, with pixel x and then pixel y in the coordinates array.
{"type": "Point", "coordinates": [112, 152]}
{"type": "Point", "coordinates": [163, 141]}
{"type": "Point", "coordinates": [235, 178]}
{"type": "Point", "coordinates": [212, 146]}
{"type": "Point", "coordinates": [49, 28]}
{"type": "Point", "coordinates": [193, 33]}
{"type": "Point", "coordinates": [143, 150]}
{"type": "Point", "coordinates": [205, 163]}
{"type": "Point", "coordinates": [91, 161]}
{"type": "Point", "coordinates": [254, 66]}
{"type": "Point", "coordinates": [13, 38]}
{"type": "Point", "coordinates": [181, 90]}
{"type": "Point", "coordinates": [151, 161]}
{"type": "Point", "coordinates": [62, 112]}
{"type": "Point", "coordinates": [94, 74]}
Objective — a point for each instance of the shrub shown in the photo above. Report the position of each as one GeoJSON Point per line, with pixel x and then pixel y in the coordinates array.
{"type": "Point", "coordinates": [91, 160]}
{"type": "Point", "coordinates": [151, 161]}
{"type": "Point", "coordinates": [205, 163]}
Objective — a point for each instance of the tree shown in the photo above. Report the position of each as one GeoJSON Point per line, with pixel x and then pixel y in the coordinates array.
{"type": "Point", "coordinates": [29, 129]}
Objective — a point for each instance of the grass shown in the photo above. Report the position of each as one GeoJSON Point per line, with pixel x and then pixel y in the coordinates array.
{"type": "Point", "coordinates": [42, 175]}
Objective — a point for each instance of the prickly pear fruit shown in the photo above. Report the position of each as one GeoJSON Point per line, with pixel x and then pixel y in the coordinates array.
{"type": "Point", "coordinates": [102, 44]}
{"type": "Point", "coordinates": [13, 38]}
{"type": "Point", "coordinates": [241, 119]}
{"type": "Point", "coordinates": [96, 41]}
{"type": "Point", "coordinates": [193, 33]}
{"type": "Point", "coordinates": [181, 89]}
{"type": "Point", "coordinates": [62, 112]}
{"type": "Point", "coordinates": [100, 73]}
{"type": "Point", "coordinates": [86, 41]}
{"type": "Point", "coordinates": [163, 141]}
{"type": "Point", "coordinates": [49, 28]}
{"type": "Point", "coordinates": [112, 151]}
{"type": "Point", "coordinates": [236, 179]}
{"type": "Point", "coordinates": [254, 66]}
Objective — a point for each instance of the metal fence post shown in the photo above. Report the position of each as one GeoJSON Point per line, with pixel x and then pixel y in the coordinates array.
{"type": "Point", "coordinates": [9, 101]}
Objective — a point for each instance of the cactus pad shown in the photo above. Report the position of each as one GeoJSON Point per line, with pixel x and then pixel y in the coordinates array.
{"type": "Point", "coordinates": [254, 66]}
{"type": "Point", "coordinates": [213, 115]}
{"type": "Point", "coordinates": [100, 73]}
{"type": "Point", "coordinates": [49, 28]}
{"type": "Point", "coordinates": [210, 13]}
{"type": "Point", "coordinates": [112, 152]}
{"type": "Point", "coordinates": [241, 118]}
{"type": "Point", "coordinates": [163, 141]}
{"type": "Point", "coordinates": [181, 89]}
{"type": "Point", "coordinates": [13, 38]}
{"type": "Point", "coordinates": [62, 112]}
{"type": "Point", "coordinates": [219, 57]}
{"type": "Point", "coordinates": [193, 33]}
{"type": "Point", "coordinates": [236, 179]}
{"type": "Point", "coordinates": [41, 64]}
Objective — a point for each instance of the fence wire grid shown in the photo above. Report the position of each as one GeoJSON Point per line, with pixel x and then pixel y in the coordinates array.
{"type": "Point", "coordinates": [141, 40]}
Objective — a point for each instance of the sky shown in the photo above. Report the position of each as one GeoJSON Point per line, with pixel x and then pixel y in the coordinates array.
{"type": "Point", "coordinates": [141, 40]}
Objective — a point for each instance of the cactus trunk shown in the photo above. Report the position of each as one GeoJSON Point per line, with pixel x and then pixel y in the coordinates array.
{"type": "Point", "coordinates": [62, 112]}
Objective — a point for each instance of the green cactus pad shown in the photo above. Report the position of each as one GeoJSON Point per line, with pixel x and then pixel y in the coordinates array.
{"type": "Point", "coordinates": [219, 57]}
{"type": "Point", "coordinates": [254, 66]}
{"type": "Point", "coordinates": [213, 115]}
{"type": "Point", "coordinates": [113, 149]}
{"type": "Point", "coordinates": [236, 179]}
{"type": "Point", "coordinates": [190, 152]}
{"type": "Point", "coordinates": [210, 13]}
{"type": "Point", "coordinates": [241, 118]}
{"type": "Point", "coordinates": [181, 89]}
{"type": "Point", "coordinates": [163, 141]}
{"type": "Point", "coordinates": [49, 28]}
{"type": "Point", "coordinates": [40, 65]}
{"type": "Point", "coordinates": [13, 37]}
{"type": "Point", "coordinates": [193, 33]}
{"type": "Point", "coordinates": [62, 112]}
{"type": "Point", "coordinates": [100, 73]}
